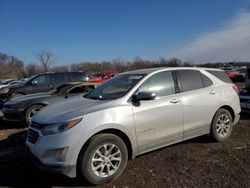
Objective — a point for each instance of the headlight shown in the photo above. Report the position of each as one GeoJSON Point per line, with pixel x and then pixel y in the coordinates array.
{"type": "Point", "coordinates": [4, 90]}
{"type": "Point", "coordinates": [60, 127]}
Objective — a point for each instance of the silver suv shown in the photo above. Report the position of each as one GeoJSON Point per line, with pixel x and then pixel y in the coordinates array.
{"type": "Point", "coordinates": [133, 113]}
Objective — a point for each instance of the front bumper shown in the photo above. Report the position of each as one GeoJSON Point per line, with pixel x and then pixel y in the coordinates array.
{"type": "Point", "coordinates": [68, 170]}
{"type": "Point", "coordinates": [45, 148]}
{"type": "Point", "coordinates": [12, 114]}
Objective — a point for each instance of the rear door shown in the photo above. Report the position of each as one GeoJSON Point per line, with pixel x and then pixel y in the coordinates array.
{"type": "Point", "coordinates": [159, 122]}
{"type": "Point", "coordinates": [199, 102]}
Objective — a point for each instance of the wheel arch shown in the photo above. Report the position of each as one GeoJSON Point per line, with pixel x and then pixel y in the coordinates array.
{"type": "Point", "coordinates": [114, 131]}
{"type": "Point", "coordinates": [230, 109]}
{"type": "Point", "coordinates": [33, 104]}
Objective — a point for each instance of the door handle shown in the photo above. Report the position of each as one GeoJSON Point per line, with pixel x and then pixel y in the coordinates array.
{"type": "Point", "coordinates": [212, 92]}
{"type": "Point", "coordinates": [174, 101]}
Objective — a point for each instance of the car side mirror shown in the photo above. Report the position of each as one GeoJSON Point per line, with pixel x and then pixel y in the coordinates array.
{"type": "Point", "coordinates": [144, 96]}
{"type": "Point", "coordinates": [34, 83]}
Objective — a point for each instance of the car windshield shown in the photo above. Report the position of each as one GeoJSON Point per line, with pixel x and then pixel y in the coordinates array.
{"type": "Point", "coordinates": [60, 89]}
{"type": "Point", "coordinates": [116, 87]}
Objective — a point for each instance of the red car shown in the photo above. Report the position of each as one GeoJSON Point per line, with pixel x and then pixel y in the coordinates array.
{"type": "Point", "coordinates": [100, 77]}
{"type": "Point", "coordinates": [232, 75]}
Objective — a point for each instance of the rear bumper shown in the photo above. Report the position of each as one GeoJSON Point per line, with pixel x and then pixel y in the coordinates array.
{"type": "Point", "coordinates": [236, 119]}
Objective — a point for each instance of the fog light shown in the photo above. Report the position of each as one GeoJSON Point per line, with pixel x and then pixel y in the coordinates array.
{"type": "Point", "coordinates": [58, 154]}
{"type": "Point", "coordinates": [61, 154]}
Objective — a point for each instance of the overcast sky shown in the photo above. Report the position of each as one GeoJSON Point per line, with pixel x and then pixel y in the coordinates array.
{"type": "Point", "coordinates": [230, 42]}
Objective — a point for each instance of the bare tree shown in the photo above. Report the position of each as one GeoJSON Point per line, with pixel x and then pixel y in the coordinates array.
{"type": "Point", "coordinates": [46, 59]}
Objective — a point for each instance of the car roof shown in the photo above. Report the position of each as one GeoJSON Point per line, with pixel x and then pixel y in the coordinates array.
{"type": "Point", "coordinates": [151, 70]}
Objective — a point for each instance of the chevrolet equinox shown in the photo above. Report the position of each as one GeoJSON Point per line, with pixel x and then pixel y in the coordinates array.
{"type": "Point", "coordinates": [135, 112]}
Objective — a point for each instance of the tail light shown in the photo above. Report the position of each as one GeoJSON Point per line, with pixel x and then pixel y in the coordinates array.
{"type": "Point", "coordinates": [236, 88]}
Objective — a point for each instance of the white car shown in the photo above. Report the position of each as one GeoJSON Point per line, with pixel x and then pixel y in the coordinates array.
{"type": "Point", "coordinates": [133, 113]}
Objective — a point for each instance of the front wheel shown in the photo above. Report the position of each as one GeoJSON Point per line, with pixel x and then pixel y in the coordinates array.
{"type": "Point", "coordinates": [222, 125]}
{"type": "Point", "coordinates": [104, 159]}
{"type": "Point", "coordinates": [31, 111]}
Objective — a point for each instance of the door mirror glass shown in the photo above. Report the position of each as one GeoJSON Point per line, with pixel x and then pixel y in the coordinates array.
{"type": "Point", "coordinates": [34, 82]}
{"type": "Point", "coordinates": [144, 96]}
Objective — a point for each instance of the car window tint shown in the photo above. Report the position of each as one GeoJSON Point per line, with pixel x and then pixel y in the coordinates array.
{"type": "Point", "coordinates": [220, 75]}
{"type": "Point", "coordinates": [75, 77]}
{"type": "Point", "coordinates": [58, 78]}
{"type": "Point", "coordinates": [41, 80]}
{"type": "Point", "coordinates": [189, 80]}
{"type": "Point", "coordinates": [162, 84]}
{"type": "Point", "coordinates": [206, 81]}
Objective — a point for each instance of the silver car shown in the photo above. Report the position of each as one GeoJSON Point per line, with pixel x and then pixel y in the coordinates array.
{"type": "Point", "coordinates": [133, 113]}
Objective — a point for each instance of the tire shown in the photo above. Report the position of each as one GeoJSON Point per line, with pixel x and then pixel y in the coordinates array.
{"type": "Point", "coordinates": [17, 95]}
{"type": "Point", "coordinates": [222, 125]}
{"type": "Point", "coordinates": [102, 162]}
{"type": "Point", "coordinates": [32, 110]}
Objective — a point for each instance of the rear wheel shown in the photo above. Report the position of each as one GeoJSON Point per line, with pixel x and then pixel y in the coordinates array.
{"type": "Point", "coordinates": [222, 125]}
{"type": "Point", "coordinates": [104, 159]}
{"type": "Point", "coordinates": [31, 111]}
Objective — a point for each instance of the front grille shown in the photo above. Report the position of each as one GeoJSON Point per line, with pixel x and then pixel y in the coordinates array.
{"type": "Point", "coordinates": [36, 125]}
{"type": "Point", "coordinates": [33, 136]}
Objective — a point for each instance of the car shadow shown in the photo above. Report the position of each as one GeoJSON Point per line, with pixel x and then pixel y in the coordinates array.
{"type": "Point", "coordinates": [16, 169]}
{"type": "Point", "coordinates": [245, 116]}
{"type": "Point", "coordinates": [4, 125]}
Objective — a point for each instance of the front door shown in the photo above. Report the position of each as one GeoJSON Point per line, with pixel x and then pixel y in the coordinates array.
{"type": "Point", "coordinates": [159, 122]}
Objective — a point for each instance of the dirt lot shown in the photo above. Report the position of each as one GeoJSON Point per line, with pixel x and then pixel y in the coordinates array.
{"type": "Point", "coordinates": [194, 163]}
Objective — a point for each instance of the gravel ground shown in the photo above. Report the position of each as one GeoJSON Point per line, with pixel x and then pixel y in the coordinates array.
{"type": "Point", "coordinates": [193, 163]}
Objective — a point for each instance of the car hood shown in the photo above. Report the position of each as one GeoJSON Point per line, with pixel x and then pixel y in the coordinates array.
{"type": "Point", "coordinates": [16, 86]}
{"type": "Point", "coordinates": [29, 97]}
{"type": "Point", "coordinates": [70, 109]}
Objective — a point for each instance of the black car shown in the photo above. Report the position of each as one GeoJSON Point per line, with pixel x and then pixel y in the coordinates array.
{"type": "Point", "coordinates": [41, 83]}
{"type": "Point", "coordinates": [24, 107]}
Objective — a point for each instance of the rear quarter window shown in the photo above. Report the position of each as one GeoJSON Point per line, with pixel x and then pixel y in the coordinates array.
{"type": "Point", "coordinates": [220, 75]}
{"type": "Point", "coordinates": [206, 81]}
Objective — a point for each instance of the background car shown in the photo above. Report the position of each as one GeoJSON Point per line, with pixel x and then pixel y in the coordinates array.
{"type": "Point", "coordinates": [23, 108]}
{"type": "Point", "coordinates": [100, 77]}
{"type": "Point", "coordinates": [245, 93]}
{"type": "Point", "coordinates": [41, 83]}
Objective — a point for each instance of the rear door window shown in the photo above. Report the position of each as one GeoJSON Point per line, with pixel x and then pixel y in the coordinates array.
{"type": "Point", "coordinates": [58, 78]}
{"type": "Point", "coordinates": [75, 77]}
{"type": "Point", "coordinates": [162, 84]}
{"type": "Point", "coordinates": [220, 75]}
{"type": "Point", "coordinates": [189, 80]}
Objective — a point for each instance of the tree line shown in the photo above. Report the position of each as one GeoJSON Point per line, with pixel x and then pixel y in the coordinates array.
{"type": "Point", "coordinates": [12, 67]}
